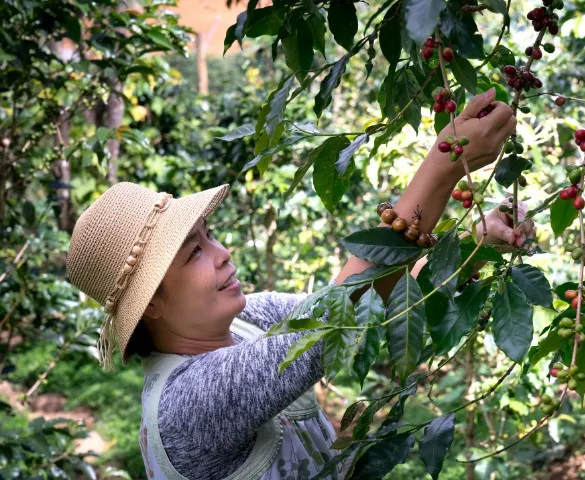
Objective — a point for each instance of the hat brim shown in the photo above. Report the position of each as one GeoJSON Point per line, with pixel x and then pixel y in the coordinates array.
{"type": "Point", "coordinates": [166, 239]}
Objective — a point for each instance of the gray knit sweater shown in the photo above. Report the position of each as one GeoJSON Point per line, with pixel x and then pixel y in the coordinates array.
{"type": "Point", "coordinates": [213, 404]}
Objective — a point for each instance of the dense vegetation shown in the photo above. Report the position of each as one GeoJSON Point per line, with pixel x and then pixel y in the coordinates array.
{"type": "Point", "coordinates": [84, 103]}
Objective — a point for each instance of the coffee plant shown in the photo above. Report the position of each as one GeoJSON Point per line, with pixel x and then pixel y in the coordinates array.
{"type": "Point", "coordinates": [435, 57]}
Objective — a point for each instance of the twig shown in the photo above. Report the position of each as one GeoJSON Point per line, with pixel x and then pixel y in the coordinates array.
{"type": "Point", "coordinates": [16, 259]}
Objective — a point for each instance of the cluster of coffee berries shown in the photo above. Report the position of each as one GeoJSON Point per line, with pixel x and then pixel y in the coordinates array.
{"type": "Point", "coordinates": [464, 195]}
{"type": "Point", "coordinates": [428, 50]}
{"type": "Point", "coordinates": [570, 376]}
{"type": "Point", "coordinates": [580, 139]}
{"type": "Point", "coordinates": [573, 297]}
{"type": "Point", "coordinates": [411, 232]}
{"type": "Point", "coordinates": [443, 101]}
{"type": "Point", "coordinates": [486, 111]}
{"type": "Point", "coordinates": [576, 253]}
{"type": "Point", "coordinates": [474, 278]}
{"type": "Point", "coordinates": [454, 146]}
{"type": "Point", "coordinates": [520, 78]}
{"type": "Point", "coordinates": [549, 405]}
{"type": "Point", "coordinates": [541, 17]}
{"type": "Point", "coordinates": [567, 327]}
{"type": "Point", "coordinates": [573, 191]}
{"type": "Point", "coordinates": [484, 316]}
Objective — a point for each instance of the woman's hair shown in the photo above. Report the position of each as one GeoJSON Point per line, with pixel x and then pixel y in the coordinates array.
{"type": "Point", "coordinates": [140, 342]}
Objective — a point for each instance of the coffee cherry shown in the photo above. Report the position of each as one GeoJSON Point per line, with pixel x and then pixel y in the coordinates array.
{"type": "Point", "coordinates": [573, 191]}
{"type": "Point", "coordinates": [430, 42]}
{"type": "Point", "coordinates": [382, 206]}
{"type": "Point", "coordinates": [573, 370]}
{"type": "Point", "coordinates": [411, 233]}
{"type": "Point", "coordinates": [566, 323]}
{"type": "Point", "coordinates": [466, 195]}
{"type": "Point", "coordinates": [554, 372]}
{"type": "Point", "coordinates": [399, 225]}
{"type": "Point", "coordinates": [463, 185]}
{"type": "Point", "coordinates": [546, 399]}
{"type": "Point", "coordinates": [562, 374]}
{"type": "Point", "coordinates": [580, 135]}
{"type": "Point", "coordinates": [467, 203]}
{"type": "Point", "coordinates": [448, 54]}
{"type": "Point", "coordinates": [389, 215]}
{"type": "Point", "coordinates": [575, 176]}
{"type": "Point", "coordinates": [522, 181]}
{"type": "Point", "coordinates": [456, 194]}
{"type": "Point", "coordinates": [580, 376]}
{"type": "Point", "coordinates": [564, 333]}
{"type": "Point", "coordinates": [577, 254]}
{"type": "Point", "coordinates": [572, 384]}
{"type": "Point", "coordinates": [558, 365]}
{"type": "Point", "coordinates": [570, 294]}
{"type": "Point", "coordinates": [553, 29]}
{"type": "Point", "coordinates": [458, 150]}
{"type": "Point", "coordinates": [504, 208]}
{"type": "Point", "coordinates": [537, 83]}
{"type": "Point", "coordinates": [438, 107]}
{"type": "Point", "coordinates": [509, 148]}
{"type": "Point", "coordinates": [564, 195]}
{"type": "Point", "coordinates": [478, 198]}
{"type": "Point", "coordinates": [548, 409]}
{"type": "Point", "coordinates": [548, 47]}
{"type": "Point", "coordinates": [560, 101]}
{"type": "Point", "coordinates": [537, 53]}
{"type": "Point", "coordinates": [529, 51]}
{"type": "Point", "coordinates": [579, 203]}
{"type": "Point", "coordinates": [444, 147]}
{"type": "Point", "coordinates": [518, 148]}
{"type": "Point", "coordinates": [575, 303]}
{"type": "Point", "coordinates": [450, 106]}
{"type": "Point", "coordinates": [579, 328]}
{"type": "Point", "coordinates": [510, 70]}
{"type": "Point", "coordinates": [463, 140]}
{"type": "Point", "coordinates": [427, 52]}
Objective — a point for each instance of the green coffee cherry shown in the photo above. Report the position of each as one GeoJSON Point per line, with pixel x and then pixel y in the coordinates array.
{"type": "Point", "coordinates": [572, 384]}
{"type": "Point", "coordinates": [509, 147]}
{"type": "Point", "coordinates": [580, 376]}
{"type": "Point", "coordinates": [563, 380]}
{"type": "Point", "coordinates": [504, 208]}
{"type": "Point", "coordinates": [566, 323]}
{"type": "Point", "coordinates": [524, 110]}
{"type": "Point", "coordinates": [463, 140]}
{"type": "Point", "coordinates": [478, 198]}
{"type": "Point", "coordinates": [573, 370]}
{"type": "Point", "coordinates": [570, 168]}
{"type": "Point", "coordinates": [575, 176]}
{"type": "Point", "coordinates": [577, 254]}
{"type": "Point", "coordinates": [463, 185]}
{"type": "Point", "coordinates": [450, 139]}
{"type": "Point", "coordinates": [562, 374]}
{"type": "Point", "coordinates": [546, 399]}
{"type": "Point", "coordinates": [565, 333]}
{"type": "Point", "coordinates": [548, 409]}
{"type": "Point", "coordinates": [579, 328]}
{"type": "Point", "coordinates": [558, 365]}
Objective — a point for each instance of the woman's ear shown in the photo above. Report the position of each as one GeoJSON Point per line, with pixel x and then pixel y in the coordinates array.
{"type": "Point", "coordinates": [152, 310]}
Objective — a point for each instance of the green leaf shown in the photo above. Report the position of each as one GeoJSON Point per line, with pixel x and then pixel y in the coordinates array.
{"type": "Point", "coordinates": [340, 306]}
{"type": "Point", "coordinates": [462, 31]}
{"type": "Point", "coordinates": [444, 260]}
{"type": "Point", "coordinates": [421, 17]}
{"type": "Point", "coordinates": [301, 346]}
{"type": "Point", "coordinates": [73, 28]}
{"type": "Point", "coordinates": [342, 18]}
{"type": "Point", "coordinates": [29, 213]}
{"type": "Point", "coordinates": [533, 283]}
{"type": "Point", "coordinates": [464, 73]}
{"type": "Point", "coordinates": [562, 215]}
{"type": "Point", "coordinates": [502, 56]}
{"type": "Point", "coordinates": [383, 456]}
{"type": "Point", "coordinates": [260, 159]}
{"type": "Point", "coordinates": [278, 106]}
{"type": "Point", "coordinates": [369, 310]}
{"type": "Point", "coordinates": [263, 21]}
{"type": "Point", "coordinates": [329, 185]}
{"type": "Point", "coordinates": [498, 6]}
{"type": "Point", "coordinates": [298, 50]}
{"type": "Point", "coordinates": [298, 177]}
{"type": "Point", "coordinates": [406, 89]}
{"type": "Point", "coordinates": [329, 83]}
{"type": "Point", "coordinates": [337, 350]}
{"type": "Point", "coordinates": [316, 24]}
{"type": "Point", "coordinates": [230, 38]}
{"type": "Point", "coordinates": [542, 207]}
{"type": "Point", "coordinates": [436, 442]}
{"type": "Point", "coordinates": [295, 325]}
{"type": "Point", "coordinates": [512, 322]}
{"type": "Point", "coordinates": [509, 169]}
{"type": "Point", "coordinates": [367, 417]}
{"type": "Point", "coordinates": [308, 305]}
{"type": "Point", "coordinates": [485, 253]}
{"type": "Point", "coordinates": [158, 36]}
{"type": "Point", "coordinates": [460, 317]}
{"type": "Point", "coordinates": [390, 36]}
{"type": "Point", "coordinates": [350, 414]}
{"type": "Point", "coordinates": [405, 334]}
{"type": "Point", "coordinates": [239, 132]}
{"type": "Point", "coordinates": [551, 343]}
{"type": "Point", "coordinates": [240, 24]}
{"type": "Point", "coordinates": [346, 154]}
{"type": "Point", "coordinates": [382, 246]}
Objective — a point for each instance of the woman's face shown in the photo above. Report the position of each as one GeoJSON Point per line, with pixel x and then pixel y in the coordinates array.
{"type": "Point", "coordinates": [190, 304]}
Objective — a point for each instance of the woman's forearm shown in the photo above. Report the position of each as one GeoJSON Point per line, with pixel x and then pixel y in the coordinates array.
{"type": "Point", "coordinates": [429, 191]}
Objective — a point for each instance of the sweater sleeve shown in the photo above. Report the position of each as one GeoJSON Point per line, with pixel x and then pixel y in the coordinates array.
{"type": "Point", "coordinates": [213, 404]}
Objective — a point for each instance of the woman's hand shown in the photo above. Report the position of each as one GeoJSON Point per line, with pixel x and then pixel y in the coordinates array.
{"type": "Point", "coordinates": [486, 135]}
{"type": "Point", "coordinates": [499, 228]}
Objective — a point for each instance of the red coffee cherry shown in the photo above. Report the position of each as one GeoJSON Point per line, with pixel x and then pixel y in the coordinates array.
{"type": "Point", "coordinates": [510, 70]}
{"type": "Point", "coordinates": [427, 52]}
{"type": "Point", "coordinates": [570, 294]}
{"type": "Point", "coordinates": [456, 194]}
{"type": "Point", "coordinates": [553, 372]}
{"type": "Point", "coordinates": [429, 42]}
{"type": "Point", "coordinates": [458, 150]}
{"type": "Point", "coordinates": [448, 54]}
{"type": "Point", "coordinates": [575, 303]}
{"type": "Point", "coordinates": [444, 147]}
{"type": "Point", "coordinates": [573, 190]}
{"type": "Point", "coordinates": [537, 82]}
{"type": "Point", "coordinates": [580, 135]}
{"type": "Point", "coordinates": [467, 203]}
{"type": "Point", "coordinates": [438, 107]}
{"type": "Point", "coordinates": [466, 195]}
{"type": "Point", "coordinates": [537, 53]}
{"type": "Point", "coordinates": [553, 29]}
{"type": "Point", "coordinates": [564, 194]}
{"type": "Point", "coordinates": [560, 101]}
{"type": "Point", "coordinates": [579, 202]}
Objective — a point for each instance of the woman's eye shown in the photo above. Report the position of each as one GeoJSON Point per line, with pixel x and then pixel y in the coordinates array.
{"type": "Point", "coordinates": [210, 232]}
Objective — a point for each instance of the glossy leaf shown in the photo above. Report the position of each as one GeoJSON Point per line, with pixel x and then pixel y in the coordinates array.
{"type": "Point", "coordinates": [421, 17]}
{"type": "Point", "coordinates": [460, 317]}
{"type": "Point", "coordinates": [316, 24]}
{"type": "Point", "coordinates": [295, 325]}
{"type": "Point", "coordinates": [390, 38]}
{"type": "Point", "coordinates": [328, 183]}
{"type": "Point", "coordinates": [277, 106]}
{"type": "Point", "coordinates": [444, 260]}
{"type": "Point", "coordinates": [350, 414]}
{"type": "Point", "coordinates": [301, 346]}
{"type": "Point", "coordinates": [562, 215]}
{"type": "Point", "coordinates": [405, 334]}
{"type": "Point", "coordinates": [329, 83]}
{"type": "Point", "coordinates": [263, 21]}
{"type": "Point", "coordinates": [464, 73]}
{"type": "Point", "coordinates": [533, 284]}
{"type": "Point", "coordinates": [512, 322]}
{"type": "Point", "coordinates": [509, 169]}
{"type": "Point", "coordinates": [337, 351]}
{"type": "Point", "coordinates": [298, 49]}
{"type": "Point", "coordinates": [463, 32]}
{"type": "Point", "coordinates": [346, 154]}
{"type": "Point", "coordinates": [239, 132]}
{"type": "Point", "coordinates": [343, 24]}
{"type": "Point", "coordinates": [381, 245]}
{"type": "Point", "coordinates": [434, 445]}
{"type": "Point", "coordinates": [383, 456]}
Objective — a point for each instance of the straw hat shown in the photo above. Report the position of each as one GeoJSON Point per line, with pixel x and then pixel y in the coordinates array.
{"type": "Point", "coordinates": [121, 248]}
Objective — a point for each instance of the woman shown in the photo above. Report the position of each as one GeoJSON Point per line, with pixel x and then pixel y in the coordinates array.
{"type": "Point", "coordinates": [214, 406]}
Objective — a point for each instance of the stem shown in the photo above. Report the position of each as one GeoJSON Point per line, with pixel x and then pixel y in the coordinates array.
{"type": "Point", "coordinates": [489, 57]}
{"type": "Point", "coordinates": [580, 288]}
{"type": "Point", "coordinates": [470, 417]}
{"type": "Point", "coordinates": [553, 94]}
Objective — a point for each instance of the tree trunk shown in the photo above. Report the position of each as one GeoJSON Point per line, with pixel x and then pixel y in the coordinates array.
{"type": "Point", "coordinates": [62, 173]}
{"type": "Point", "coordinates": [201, 63]}
{"type": "Point", "coordinates": [114, 115]}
